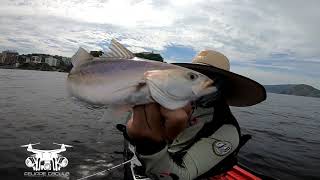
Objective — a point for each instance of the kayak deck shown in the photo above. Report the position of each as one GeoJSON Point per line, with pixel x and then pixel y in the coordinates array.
{"type": "Point", "coordinates": [236, 173]}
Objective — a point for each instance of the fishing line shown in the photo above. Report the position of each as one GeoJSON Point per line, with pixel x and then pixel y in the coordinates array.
{"type": "Point", "coordinates": [114, 167]}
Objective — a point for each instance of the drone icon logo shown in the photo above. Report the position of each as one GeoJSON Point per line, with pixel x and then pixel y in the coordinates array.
{"type": "Point", "coordinates": [47, 160]}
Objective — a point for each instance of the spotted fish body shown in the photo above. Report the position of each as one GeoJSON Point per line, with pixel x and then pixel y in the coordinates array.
{"type": "Point", "coordinates": [116, 80]}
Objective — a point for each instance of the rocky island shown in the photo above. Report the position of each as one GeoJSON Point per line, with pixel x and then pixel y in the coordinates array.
{"type": "Point", "coordinates": [294, 89]}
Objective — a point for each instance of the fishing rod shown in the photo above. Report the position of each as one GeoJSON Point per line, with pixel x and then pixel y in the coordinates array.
{"type": "Point", "coordinates": [109, 169]}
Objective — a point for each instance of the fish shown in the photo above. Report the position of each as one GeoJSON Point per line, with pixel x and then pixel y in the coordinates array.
{"type": "Point", "coordinates": [119, 79]}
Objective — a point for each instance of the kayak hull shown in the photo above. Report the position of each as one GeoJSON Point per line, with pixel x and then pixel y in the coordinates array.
{"type": "Point", "coordinates": [236, 173]}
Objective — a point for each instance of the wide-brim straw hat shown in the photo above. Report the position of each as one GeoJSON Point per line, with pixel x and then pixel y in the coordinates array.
{"type": "Point", "coordinates": [241, 91]}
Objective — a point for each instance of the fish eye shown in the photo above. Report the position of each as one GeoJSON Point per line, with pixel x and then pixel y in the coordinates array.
{"type": "Point", "coordinates": [192, 76]}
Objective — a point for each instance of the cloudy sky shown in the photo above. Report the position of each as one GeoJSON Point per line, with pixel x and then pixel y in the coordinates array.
{"type": "Point", "coordinates": [270, 41]}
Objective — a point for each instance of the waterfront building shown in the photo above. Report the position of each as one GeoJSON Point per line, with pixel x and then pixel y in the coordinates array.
{"type": "Point", "coordinates": [28, 59]}
{"type": "Point", "coordinates": [67, 61]}
{"type": "Point", "coordinates": [52, 61]}
{"type": "Point", "coordinates": [23, 59]}
{"type": "Point", "coordinates": [9, 57]}
{"type": "Point", "coordinates": [36, 59]}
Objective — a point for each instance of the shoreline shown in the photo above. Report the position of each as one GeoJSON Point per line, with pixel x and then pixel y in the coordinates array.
{"type": "Point", "coordinates": [19, 69]}
{"type": "Point", "coordinates": [32, 69]}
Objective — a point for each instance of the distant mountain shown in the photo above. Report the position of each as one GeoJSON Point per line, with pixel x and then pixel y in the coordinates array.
{"type": "Point", "coordinates": [293, 89]}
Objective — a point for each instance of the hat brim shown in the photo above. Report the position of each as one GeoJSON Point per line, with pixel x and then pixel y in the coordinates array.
{"type": "Point", "coordinates": [241, 91]}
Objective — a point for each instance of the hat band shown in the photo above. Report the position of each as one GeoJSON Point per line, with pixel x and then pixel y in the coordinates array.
{"type": "Point", "coordinates": [201, 63]}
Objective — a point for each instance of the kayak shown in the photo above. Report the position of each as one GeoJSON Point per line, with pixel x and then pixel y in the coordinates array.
{"type": "Point", "coordinates": [134, 169]}
{"type": "Point", "coordinates": [236, 173]}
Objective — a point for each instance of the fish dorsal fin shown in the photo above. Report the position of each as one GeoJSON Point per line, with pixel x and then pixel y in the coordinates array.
{"type": "Point", "coordinates": [117, 50]}
{"type": "Point", "coordinates": [80, 57]}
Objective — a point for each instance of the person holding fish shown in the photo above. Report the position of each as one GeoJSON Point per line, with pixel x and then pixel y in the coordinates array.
{"type": "Point", "coordinates": [196, 140]}
{"type": "Point", "coordinates": [181, 124]}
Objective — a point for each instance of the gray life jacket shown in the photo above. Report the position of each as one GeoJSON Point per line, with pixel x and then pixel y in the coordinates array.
{"type": "Point", "coordinates": [221, 116]}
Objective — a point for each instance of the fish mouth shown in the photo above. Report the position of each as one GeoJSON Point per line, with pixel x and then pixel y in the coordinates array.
{"type": "Point", "coordinates": [205, 88]}
{"type": "Point", "coordinates": [208, 90]}
{"type": "Point", "coordinates": [207, 84]}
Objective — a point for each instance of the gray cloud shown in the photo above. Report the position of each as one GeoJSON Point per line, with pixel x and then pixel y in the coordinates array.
{"type": "Point", "coordinates": [245, 30]}
{"type": "Point", "coordinates": [249, 32]}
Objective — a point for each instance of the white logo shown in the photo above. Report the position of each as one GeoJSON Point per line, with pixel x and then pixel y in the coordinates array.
{"type": "Point", "coordinates": [47, 160]}
{"type": "Point", "coordinates": [221, 148]}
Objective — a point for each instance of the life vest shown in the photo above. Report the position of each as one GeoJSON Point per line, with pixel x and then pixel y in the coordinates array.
{"type": "Point", "coordinates": [221, 116]}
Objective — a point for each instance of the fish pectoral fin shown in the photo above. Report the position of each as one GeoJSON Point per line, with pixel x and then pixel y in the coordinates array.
{"type": "Point", "coordinates": [118, 51]}
{"type": "Point", "coordinates": [119, 112]}
{"type": "Point", "coordinates": [138, 86]}
{"type": "Point", "coordinates": [80, 57]}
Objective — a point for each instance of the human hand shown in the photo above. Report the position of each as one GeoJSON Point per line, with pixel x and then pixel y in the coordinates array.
{"type": "Point", "coordinates": [157, 123]}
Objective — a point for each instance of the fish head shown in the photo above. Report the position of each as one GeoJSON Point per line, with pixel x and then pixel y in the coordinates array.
{"type": "Point", "coordinates": [180, 83]}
